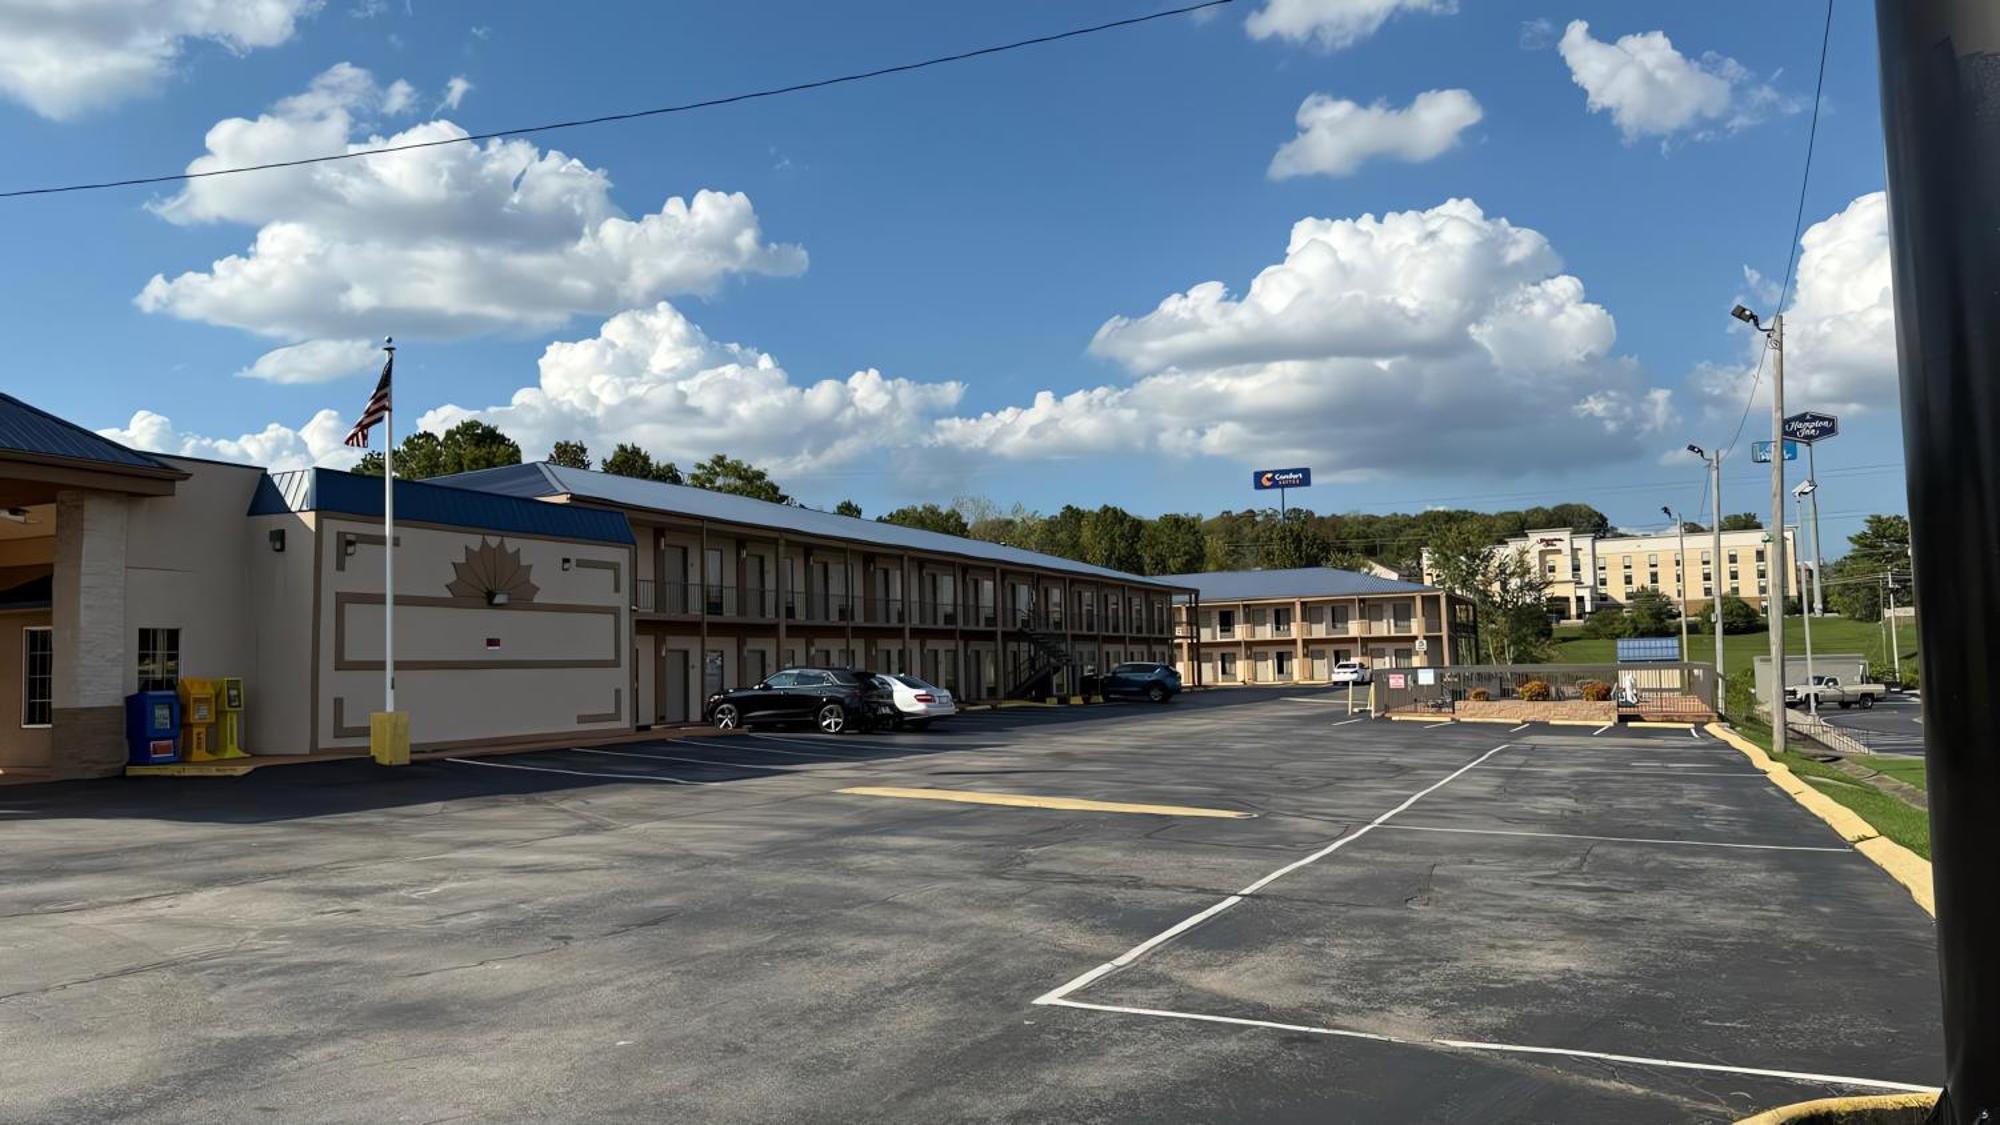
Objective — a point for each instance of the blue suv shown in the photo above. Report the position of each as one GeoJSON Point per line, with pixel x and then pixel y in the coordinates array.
{"type": "Point", "coordinates": [1144, 680]}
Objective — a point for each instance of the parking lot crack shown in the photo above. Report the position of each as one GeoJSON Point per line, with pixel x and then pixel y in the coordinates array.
{"type": "Point", "coordinates": [561, 942]}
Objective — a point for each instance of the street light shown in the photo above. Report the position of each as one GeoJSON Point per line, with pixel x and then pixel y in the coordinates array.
{"type": "Point", "coordinates": [1715, 580]}
{"type": "Point", "coordinates": [1774, 599]}
{"type": "Point", "coordinates": [1804, 489]}
{"type": "Point", "coordinates": [1681, 573]}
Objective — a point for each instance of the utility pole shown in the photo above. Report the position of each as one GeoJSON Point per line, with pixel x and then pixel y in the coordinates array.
{"type": "Point", "coordinates": [1774, 600]}
{"type": "Point", "coordinates": [1681, 569]}
{"type": "Point", "coordinates": [1941, 122]}
{"type": "Point", "coordinates": [1889, 619]}
{"type": "Point", "coordinates": [1799, 497]}
{"type": "Point", "coordinates": [1715, 565]}
{"type": "Point", "coordinates": [1812, 474]}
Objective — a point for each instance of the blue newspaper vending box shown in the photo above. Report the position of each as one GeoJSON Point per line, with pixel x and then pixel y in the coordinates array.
{"type": "Point", "coordinates": [152, 727]}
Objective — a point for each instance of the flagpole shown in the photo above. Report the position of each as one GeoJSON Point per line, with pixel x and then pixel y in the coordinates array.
{"type": "Point", "coordinates": [389, 544]}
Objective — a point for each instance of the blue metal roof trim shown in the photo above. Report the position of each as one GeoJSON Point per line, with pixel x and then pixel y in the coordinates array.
{"type": "Point", "coordinates": [1298, 582]}
{"type": "Point", "coordinates": [329, 490]}
{"type": "Point", "coordinates": [701, 503]}
{"type": "Point", "coordinates": [31, 430]}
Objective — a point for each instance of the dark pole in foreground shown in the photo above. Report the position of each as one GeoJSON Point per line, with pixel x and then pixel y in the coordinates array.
{"type": "Point", "coordinates": [1941, 116]}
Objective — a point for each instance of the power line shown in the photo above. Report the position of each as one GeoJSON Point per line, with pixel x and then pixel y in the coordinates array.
{"type": "Point", "coordinates": [1798, 222]}
{"type": "Point", "coordinates": [633, 115]}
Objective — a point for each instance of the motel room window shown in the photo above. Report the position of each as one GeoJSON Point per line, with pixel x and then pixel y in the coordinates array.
{"type": "Point", "coordinates": [1282, 620]}
{"type": "Point", "coordinates": [1225, 623]}
{"type": "Point", "coordinates": [38, 675]}
{"type": "Point", "coordinates": [159, 659]}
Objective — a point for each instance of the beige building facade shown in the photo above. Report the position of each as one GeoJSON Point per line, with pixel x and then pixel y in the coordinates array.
{"type": "Point", "coordinates": [1293, 626]}
{"type": "Point", "coordinates": [1586, 570]}
{"type": "Point", "coordinates": [731, 589]}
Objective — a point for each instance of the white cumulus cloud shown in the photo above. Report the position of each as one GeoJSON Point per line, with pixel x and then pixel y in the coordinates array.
{"type": "Point", "coordinates": [315, 361]}
{"type": "Point", "coordinates": [1651, 89]}
{"type": "Point", "coordinates": [653, 377]}
{"type": "Point", "coordinates": [1332, 24]}
{"type": "Point", "coordinates": [61, 58]}
{"type": "Point", "coordinates": [276, 446]}
{"type": "Point", "coordinates": [453, 240]}
{"type": "Point", "coordinates": [454, 92]}
{"type": "Point", "coordinates": [1428, 342]}
{"type": "Point", "coordinates": [1840, 329]}
{"type": "Point", "coordinates": [1337, 136]}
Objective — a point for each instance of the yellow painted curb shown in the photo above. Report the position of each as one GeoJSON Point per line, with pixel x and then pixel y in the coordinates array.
{"type": "Point", "coordinates": [1877, 1109]}
{"type": "Point", "coordinates": [1439, 720]}
{"type": "Point", "coordinates": [1903, 865]}
{"type": "Point", "coordinates": [1485, 719]}
{"type": "Point", "coordinates": [1662, 726]}
{"type": "Point", "coordinates": [1579, 723]}
{"type": "Point", "coordinates": [1029, 801]}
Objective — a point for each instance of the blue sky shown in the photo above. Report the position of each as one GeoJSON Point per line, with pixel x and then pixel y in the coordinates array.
{"type": "Point", "coordinates": [971, 234]}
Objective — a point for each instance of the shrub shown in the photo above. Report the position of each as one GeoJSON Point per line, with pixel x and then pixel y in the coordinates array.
{"type": "Point", "coordinates": [1535, 691]}
{"type": "Point", "coordinates": [1479, 695]}
{"type": "Point", "coordinates": [1607, 621]}
{"type": "Point", "coordinates": [1739, 616]}
{"type": "Point", "coordinates": [1596, 691]}
{"type": "Point", "coordinates": [1739, 700]}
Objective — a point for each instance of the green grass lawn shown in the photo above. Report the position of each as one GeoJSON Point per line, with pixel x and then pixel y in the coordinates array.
{"type": "Point", "coordinates": [1830, 635]}
{"type": "Point", "coordinates": [1904, 823]}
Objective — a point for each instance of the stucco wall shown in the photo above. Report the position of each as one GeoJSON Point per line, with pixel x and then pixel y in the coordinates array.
{"type": "Point", "coordinates": [553, 660]}
{"type": "Point", "coordinates": [187, 568]}
{"type": "Point", "coordinates": [20, 747]}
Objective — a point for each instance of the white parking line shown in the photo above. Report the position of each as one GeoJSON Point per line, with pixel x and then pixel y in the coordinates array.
{"type": "Point", "coordinates": [1615, 839]}
{"type": "Point", "coordinates": [1602, 729]}
{"type": "Point", "coordinates": [1056, 994]}
{"type": "Point", "coordinates": [1523, 726]}
{"type": "Point", "coordinates": [690, 761]}
{"type": "Point", "coordinates": [1345, 722]}
{"type": "Point", "coordinates": [1510, 1048]}
{"type": "Point", "coordinates": [576, 773]}
{"type": "Point", "coordinates": [760, 749]}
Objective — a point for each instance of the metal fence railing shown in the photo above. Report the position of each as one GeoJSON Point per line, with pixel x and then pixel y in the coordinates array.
{"type": "Point", "coordinates": [1644, 691]}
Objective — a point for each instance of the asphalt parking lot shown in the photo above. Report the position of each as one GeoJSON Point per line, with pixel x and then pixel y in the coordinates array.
{"type": "Point", "coordinates": [1893, 726]}
{"type": "Point", "coordinates": [1335, 920]}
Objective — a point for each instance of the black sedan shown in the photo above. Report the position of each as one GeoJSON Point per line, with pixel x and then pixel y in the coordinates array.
{"type": "Point", "coordinates": [1143, 680]}
{"type": "Point", "coordinates": [833, 699]}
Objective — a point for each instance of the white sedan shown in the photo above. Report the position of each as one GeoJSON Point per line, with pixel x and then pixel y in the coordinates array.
{"type": "Point", "coordinates": [1349, 672]}
{"type": "Point", "coordinates": [918, 702]}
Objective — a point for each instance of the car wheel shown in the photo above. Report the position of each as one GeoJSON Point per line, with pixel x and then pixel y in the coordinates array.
{"type": "Point", "coordinates": [1867, 703]}
{"type": "Point", "coordinates": [831, 719]}
{"type": "Point", "coordinates": [1156, 693]}
{"type": "Point", "coordinates": [726, 717]}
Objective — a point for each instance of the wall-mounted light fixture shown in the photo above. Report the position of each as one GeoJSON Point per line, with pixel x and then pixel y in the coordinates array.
{"type": "Point", "coordinates": [568, 562]}
{"type": "Point", "coordinates": [348, 545]}
{"type": "Point", "coordinates": [278, 540]}
{"type": "Point", "coordinates": [496, 597]}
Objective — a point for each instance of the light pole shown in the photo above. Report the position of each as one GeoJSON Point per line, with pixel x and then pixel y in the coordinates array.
{"type": "Point", "coordinates": [1812, 474]}
{"type": "Point", "coordinates": [1681, 572]}
{"type": "Point", "coordinates": [1806, 488]}
{"type": "Point", "coordinates": [1715, 564]}
{"type": "Point", "coordinates": [1774, 598]}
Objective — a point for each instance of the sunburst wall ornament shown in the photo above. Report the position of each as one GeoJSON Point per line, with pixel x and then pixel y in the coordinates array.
{"type": "Point", "coordinates": [492, 574]}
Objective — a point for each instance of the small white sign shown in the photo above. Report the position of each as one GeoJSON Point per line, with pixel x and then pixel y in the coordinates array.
{"type": "Point", "coordinates": [1426, 676]}
{"type": "Point", "coordinates": [1423, 645]}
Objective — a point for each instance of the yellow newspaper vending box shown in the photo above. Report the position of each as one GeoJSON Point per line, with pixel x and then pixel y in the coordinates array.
{"type": "Point", "coordinates": [211, 719]}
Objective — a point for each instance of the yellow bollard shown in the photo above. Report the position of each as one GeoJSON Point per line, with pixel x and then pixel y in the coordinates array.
{"type": "Point", "coordinates": [389, 738]}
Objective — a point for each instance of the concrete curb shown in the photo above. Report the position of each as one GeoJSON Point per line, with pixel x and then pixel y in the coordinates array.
{"type": "Point", "coordinates": [1903, 865]}
{"type": "Point", "coordinates": [1879, 1109]}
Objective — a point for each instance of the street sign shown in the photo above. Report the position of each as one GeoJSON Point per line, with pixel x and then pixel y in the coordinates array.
{"type": "Point", "coordinates": [1760, 451]}
{"type": "Point", "coordinates": [1281, 478]}
{"type": "Point", "coordinates": [1810, 426]}
{"type": "Point", "coordinates": [1423, 646]}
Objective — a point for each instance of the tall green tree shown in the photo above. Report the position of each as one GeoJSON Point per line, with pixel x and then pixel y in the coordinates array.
{"type": "Point", "coordinates": [1291, 541]}
{"type": "Point", "coordinates": [847, 508]}
{"type": "Point", "coordinates": [1114, 538]}
{"type": "Point", "coordinates": [1652, 613]}
{"type": "Point", "coordinates": [468, 446]}
{"type": "Point", "coordinates": [1061, 534]}
{"type": "Point", "coordinates": [929, 517]}
{"type": "Point", "coordinates": [722, 473]}
{"type": "Point", "coordinates": [1742, 521]}
{"type": "Point", "coordinates": [1171, 544]}
{"type": "Point", "coordinates": [1505, 587]}
{"type": "Point", "coordinates": [628, 460]}
{"type": "Point", "coordinates": [570, 455]}
{"type": "Point", "coordinates": [1877, 554]}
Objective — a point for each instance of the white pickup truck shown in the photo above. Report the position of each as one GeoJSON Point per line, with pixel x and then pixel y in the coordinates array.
{"type": "Point", "coordinates": [1829, 689]}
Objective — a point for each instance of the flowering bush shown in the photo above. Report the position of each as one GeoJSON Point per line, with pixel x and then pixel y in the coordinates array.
{"type": "Point", "coordinates": [1535, 691]}
{"type": "Point", "coordinates": [1479, 695]}
{"type": "Point", "coordinates": [1597, 691]}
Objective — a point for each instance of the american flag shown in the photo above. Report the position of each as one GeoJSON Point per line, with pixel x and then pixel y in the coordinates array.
{"type": "Point", "coordinates": [378, 404]}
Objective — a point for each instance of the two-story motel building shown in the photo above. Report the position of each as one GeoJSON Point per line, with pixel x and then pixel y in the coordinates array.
{"type": "Point", "coordinates": [1292, 626]}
